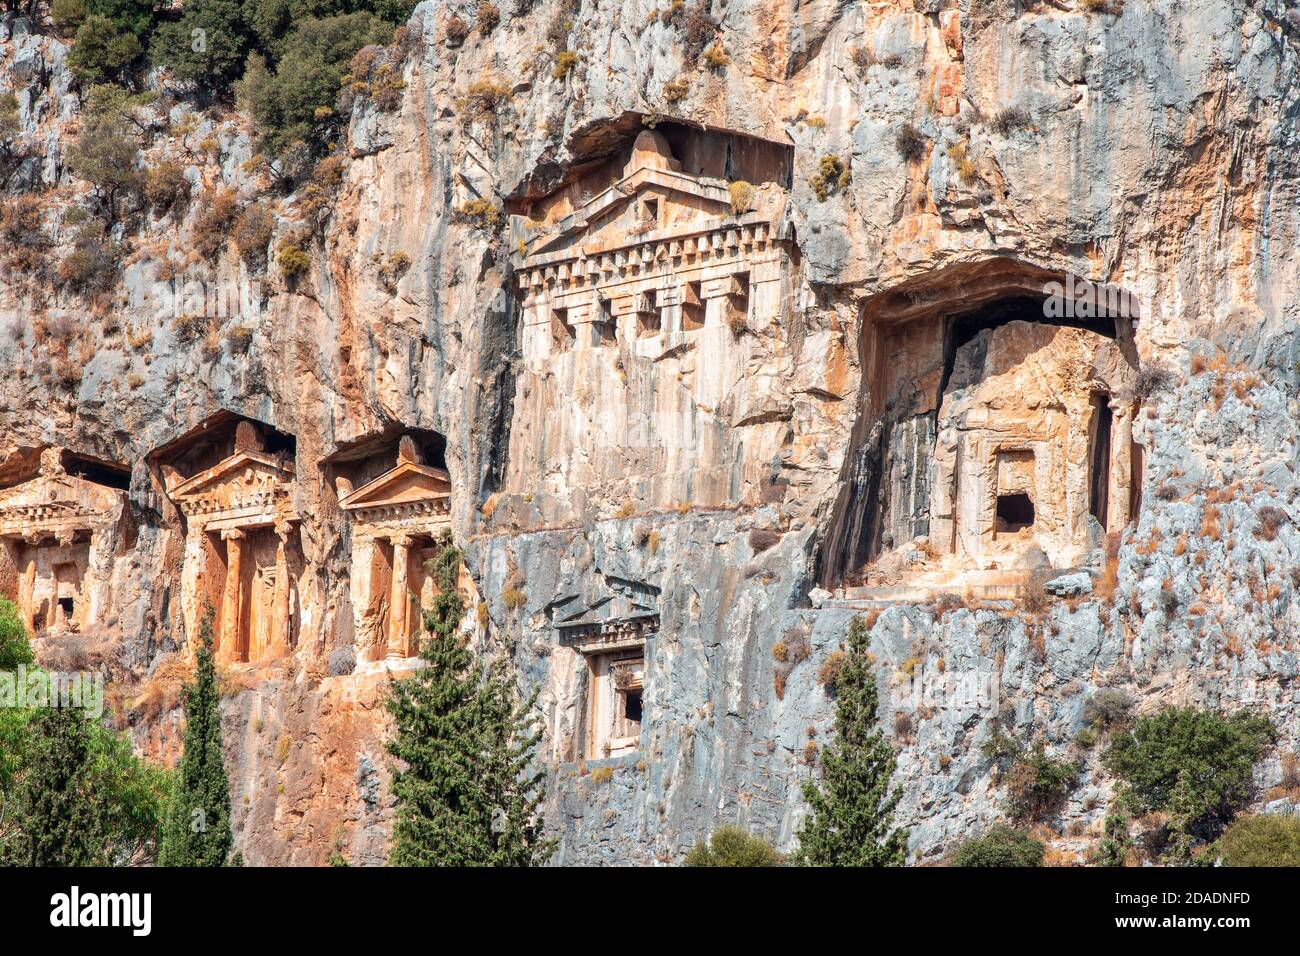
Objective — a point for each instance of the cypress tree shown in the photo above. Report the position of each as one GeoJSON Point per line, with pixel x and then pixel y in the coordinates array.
{"type": "Point", "coordinates": [60, 823]}
{"type": "Point", "coordinates": [197, 831]}
{"type": "Point", "coordinates": [853, 806]}
{"type": "Point", "coordinates": [466, 791]}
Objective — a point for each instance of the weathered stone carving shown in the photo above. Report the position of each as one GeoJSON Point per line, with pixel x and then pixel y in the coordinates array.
{"type": "Point", "coordinates": [241, 549]}
{"type": "Point", "coordinates": [656, 255]}
{"type": "Point", "coordinates": [58, 535]}
{"type": "Point", "coordinates": [609, 634]}
{"type": "Point", "coordinates": [399, 523]}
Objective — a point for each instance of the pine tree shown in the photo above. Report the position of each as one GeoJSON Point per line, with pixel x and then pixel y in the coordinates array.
{"type": "Point", "coordinates": [61, 825]}
{"type": "Point", "coordinates": [466, 790]}
{"type": "Point", "coordinates": [853, 807]}
{"type": "Point", "coordinates": [197, 831]}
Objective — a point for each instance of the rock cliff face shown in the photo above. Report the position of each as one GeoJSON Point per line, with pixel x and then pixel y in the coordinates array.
{"type": "Point", "coordinates": [669, 525]}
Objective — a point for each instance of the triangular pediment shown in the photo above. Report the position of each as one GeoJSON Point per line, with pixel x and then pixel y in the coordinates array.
{"type": "Point", "coordinates": [61, 492]}
{"type": "Point", "coordinates": [407, 483]}
{"type": "Point", "coordinates": [243, 471]}
{"type": "Point", "coordinates": [609, 599]}
{"type": "Point", "coordinates": [595, 217]}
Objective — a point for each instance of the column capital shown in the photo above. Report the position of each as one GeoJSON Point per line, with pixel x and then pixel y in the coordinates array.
{"type": "Point", "coordinates": [231, 534]}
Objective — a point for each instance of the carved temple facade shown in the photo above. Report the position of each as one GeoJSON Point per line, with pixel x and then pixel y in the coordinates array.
{"type": "Point", "coordinates": [242, 553]}
{"type": "Point", "coordinates": [659, 257]}
{"type": "Point", "coordinates": [400, 520]}
{"type": "Point", "coordinates": [59, 534]}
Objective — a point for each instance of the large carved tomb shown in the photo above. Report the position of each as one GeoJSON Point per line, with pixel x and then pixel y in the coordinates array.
{"type": "Point", "coordinates": [58, 535]}
{"type": "Point", "coordinates": [400, 521]}
{"type": "Point", "coordinates": [242, 554]}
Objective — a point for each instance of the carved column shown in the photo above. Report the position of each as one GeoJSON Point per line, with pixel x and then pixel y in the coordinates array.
{"type": "Point", "coordinates": [280, 619]}
{"type": "Point", "coordinates": [231, 599]}
{"type": "Point", "coordinates": [399, 602]}
{"type": "Point", "coordinates": [1121, 466]}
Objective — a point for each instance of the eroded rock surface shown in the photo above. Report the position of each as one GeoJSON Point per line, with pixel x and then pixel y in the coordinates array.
{"type": "Point", "coordinates": [645, 511]}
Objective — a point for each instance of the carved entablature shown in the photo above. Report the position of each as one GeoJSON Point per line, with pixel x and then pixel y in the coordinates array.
{"type": "Point", "coordinates": [600, 637]}
{"type": "Point", "coordinates": [249, 489]}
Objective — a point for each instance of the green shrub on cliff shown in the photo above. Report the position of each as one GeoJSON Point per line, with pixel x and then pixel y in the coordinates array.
{"type": "Point", "coordinates": [1265, 840]}
{"type": "Point", "coordinates": [732, 846]}
{"type": "Point", "coordinates": [1195, 765]}
{"type": "Point", "coordinates": [1001, 846]}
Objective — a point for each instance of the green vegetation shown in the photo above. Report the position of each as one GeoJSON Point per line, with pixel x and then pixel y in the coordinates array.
{"type": "Point", "coordinates": [102, 51]}
{"type": "Point", "coordinates": [1116, 843]}
{"type": "Point", "coordinates": [732, 846]}
{"type": "Point", "coordinates": [73, 794]}
{"type": "Point", "coordinates": [1266, 840]}
{"type": "Point", "coordinates": [851, 823]}
{"type": "Point", "coordinates": [197, 832]}
{"type": "Point", "coordinates": [1001, 846]}
{"type": "Point", "coordinates": [14, 649]}
{"type": "Point", "coordinates": [466, 788]}
{"type": "Point", "coordinates": [287, 98]}
{"type": "Point", "coordinates": [287, 57]}
{"type": "Point", "coordinates": [1195, 765]}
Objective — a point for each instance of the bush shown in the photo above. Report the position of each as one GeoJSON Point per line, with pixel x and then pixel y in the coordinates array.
{"type": "Point", "coordinates": [253, 232]}
{"type": "Point", "coordinates": [480, 213]}
{"type": "Point", "coordinates": [101, 51]}
{"type": "Point", "coordinates": [1001, 846]}
{"type": "Point", "coordinates": [732, 846]}
{"type": "Point", "coordinates": [1011, 119]}
{"type": "Point", "coordinates": [910, 143]}
{"type": "Point", "coordinates": [1108, 708]}
{"type": "Point", "coordinates": [284, 100]}
{"type": "Point", "coordinates": [166, 188]}
{"type": "Point", "coordinates": [14, 649]}
{"type": "Point", "coordinates": [294, 262]}
{"type": "Point", "coordinates": [1267, 840]}
{"type": "Point", "coordinates": [833, 175]}
{"type": "Point", "coordinates": [1151, 378]}
{"type": "Point", "coordinates": [1269, 519]}
{"type": "Point", "coordinates": [486, 16]}
{"type": "Point", "coordinates": [1195, 765]}
{"type": "Point", "coordinates": [742, 197]}
{"type": "Point", "coordinates": [1038, 784]}
{"type": "Point", "coordinates": [214, 220]}
{"type": "Point", "coordinates": [105, 156]}
{"type": "Point", "coordinates": [564, 64]}
{"type": "Point", "coordinates": [68, 15]}
{"type": "Point", "coordinates": [227, 39]}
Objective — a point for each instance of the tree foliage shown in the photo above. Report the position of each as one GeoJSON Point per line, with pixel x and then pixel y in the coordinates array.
{"type": "Point", "coordinates": [102, 50]}
{"type": "Point", "coordinates": [291, 100]}
{"type": "Point", "coordinates": [1195, 765]}
{"type": "Point", "coordinates": [851, 823]}
{"type": "Point", "coordinates": [732, 846]}
{"type": "Point", "coordinates": [14, 649]}
{"type": "Point", "coordinates": [1001, 846]}
{"type": "Point", "coordinates": [197, 831]}
{"type": "Point", "coordinates": [466, 789]}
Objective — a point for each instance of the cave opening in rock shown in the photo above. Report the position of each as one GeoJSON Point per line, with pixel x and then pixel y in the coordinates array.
{"type": "Point", "coordinates": [1015, 512]}
{"type": "Point", "coordinates": [1099, 460]}
{"type": "Point", "coordinates": [992, 405]}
